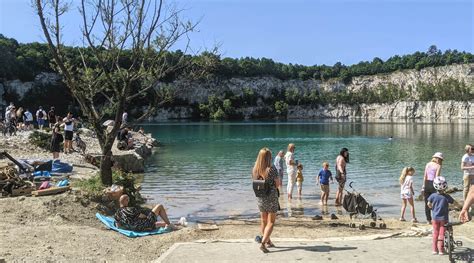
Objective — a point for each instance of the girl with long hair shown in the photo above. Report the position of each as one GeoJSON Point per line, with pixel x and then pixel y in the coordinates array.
{"type": "Point", "coordinates": [407, 193]}
{"type": "Point", "coordinates": [268, 204]}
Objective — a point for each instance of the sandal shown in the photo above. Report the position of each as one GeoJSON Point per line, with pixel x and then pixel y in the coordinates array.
{"type": "Point", "coordinates": [270, 244]}
{"type": "Point", "coordinates": [264, 249]}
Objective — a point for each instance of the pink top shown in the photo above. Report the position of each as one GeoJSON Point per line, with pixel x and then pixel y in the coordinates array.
{"type": "Point", "coordinates": [430, 171]}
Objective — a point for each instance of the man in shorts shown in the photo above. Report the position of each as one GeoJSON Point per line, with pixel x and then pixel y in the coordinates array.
{"type": "Point", "coordinates": [40, 117]}
{"type": "Point", "coordinates": [279, 160]}
{"type": "Point", "coordinates": [68, 123]}
{"type": "Point", "coordinates": [137, 219]}
{"type": "Point", "coordinates": [28, 119]}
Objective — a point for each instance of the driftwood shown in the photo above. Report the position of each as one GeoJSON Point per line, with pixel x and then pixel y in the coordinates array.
{"type": "Point", "coordinates": [51, 191]}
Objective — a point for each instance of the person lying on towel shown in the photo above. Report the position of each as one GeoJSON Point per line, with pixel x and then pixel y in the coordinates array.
{"type": "Point", "coordinates": [139, 219]}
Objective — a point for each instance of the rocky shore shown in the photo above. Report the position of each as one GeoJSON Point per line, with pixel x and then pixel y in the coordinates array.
{"type": "Point", "coordinates": [132, 160]}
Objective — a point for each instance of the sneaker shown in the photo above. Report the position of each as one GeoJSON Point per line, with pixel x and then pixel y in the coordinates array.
{"type": "Point", "coordinates": [317, 217]}
{"type": "Point", "coordinates": [258, 239]}
{"type": "Point", "coordinates": [182, 221]}
{"type": "Point", "coordinates": [414, 220]}
{"type": "Point", "coordinates": [441, 253]}
{"type": "Point", "coordinates": [435, 253]}
{"type": "Point", "coordinates": [334, 217]}
{"type": "Point", "coordinates": [402, 219]}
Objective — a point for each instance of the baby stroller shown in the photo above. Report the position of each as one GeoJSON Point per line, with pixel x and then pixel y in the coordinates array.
{"type": "Point", "coordinates": [359, 208]}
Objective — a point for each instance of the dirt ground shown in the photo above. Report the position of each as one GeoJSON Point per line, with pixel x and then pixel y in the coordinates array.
{"type": "Point", "coordinates": [64, 228]}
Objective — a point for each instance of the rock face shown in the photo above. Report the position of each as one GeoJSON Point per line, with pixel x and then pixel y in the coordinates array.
{"type": "Point", "coordinates": [21, 88]}
{"type": "Point", "coordinates": [193, 93]}
{"type": "Point", "coordinates": [430, 110]}
{"type": "Point", "coordinates": [266, 87]}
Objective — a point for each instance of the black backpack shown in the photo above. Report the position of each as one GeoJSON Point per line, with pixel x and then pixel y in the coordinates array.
{"type": "Point", "coordinates": [261, 187]}
{"type": "Point", "coordinates": [40, 114]}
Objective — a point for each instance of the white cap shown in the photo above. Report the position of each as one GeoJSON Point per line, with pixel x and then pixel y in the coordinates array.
{"type": "Point", "coordinates": [438, 155]}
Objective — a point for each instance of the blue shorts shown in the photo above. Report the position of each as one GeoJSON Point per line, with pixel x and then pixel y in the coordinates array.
{"type": "Point", "coordinates": [40, 122]}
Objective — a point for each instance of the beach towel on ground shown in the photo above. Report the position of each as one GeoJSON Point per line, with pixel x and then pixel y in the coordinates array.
{"type": "Point", "coordinates": [59, 167]}
{"type": "Point", "coordinates": [110, 223]}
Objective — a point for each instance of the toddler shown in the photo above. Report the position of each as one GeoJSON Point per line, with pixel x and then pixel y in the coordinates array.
{"type": "Point", "coordinates": [439, 203]}
{"type": "Point", "coordinates": [299, 179]}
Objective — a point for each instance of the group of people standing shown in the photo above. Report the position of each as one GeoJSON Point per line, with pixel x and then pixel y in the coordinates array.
{"type": "Point", "coordinates": [271, 171]}
{"type": "Point", "coordinates": [22, 119]}
{"type": "Point", "coordinates": [294, 170]}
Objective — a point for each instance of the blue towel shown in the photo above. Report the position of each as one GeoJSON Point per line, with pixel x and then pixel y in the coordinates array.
{"type": "Point", "coordinates": [110, 223]}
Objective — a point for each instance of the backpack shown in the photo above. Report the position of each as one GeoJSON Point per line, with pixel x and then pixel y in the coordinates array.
{"type": "Point", "coordinates": [261, 187]}
{"type": "Point", "coordinates": [40, 114]}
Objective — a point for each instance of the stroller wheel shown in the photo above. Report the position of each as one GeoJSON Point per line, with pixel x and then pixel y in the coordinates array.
{"type": "Point", "coordinates": [383, 225]}
{"type": "Point", "coordinates": [373, 224]}
{"type": "Point", "coordinates": [361, 227]}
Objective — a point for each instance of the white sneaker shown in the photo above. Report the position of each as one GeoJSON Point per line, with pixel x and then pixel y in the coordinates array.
{"type": "Point", "coordinates": [182, 221]}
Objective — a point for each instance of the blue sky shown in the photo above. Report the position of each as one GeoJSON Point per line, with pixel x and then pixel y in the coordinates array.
{"type": "Point", "coordinates": [297, 31]}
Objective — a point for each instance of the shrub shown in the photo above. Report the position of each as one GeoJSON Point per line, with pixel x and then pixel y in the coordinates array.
{"type": "Point", "coordinates": [40, 139]}
{"type": "Point", "coordinates": [281, 108]}
{"type": "Point", "coordinates": [94, 187]}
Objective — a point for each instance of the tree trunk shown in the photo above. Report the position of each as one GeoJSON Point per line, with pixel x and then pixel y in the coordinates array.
{"type": "Point", "coordinates": [106, 159]}
{"type": "Point", "coordinates": [106, 169]}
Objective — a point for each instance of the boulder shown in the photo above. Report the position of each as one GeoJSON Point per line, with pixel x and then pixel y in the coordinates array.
{"type": "Point", "coordinates": [128, 161]}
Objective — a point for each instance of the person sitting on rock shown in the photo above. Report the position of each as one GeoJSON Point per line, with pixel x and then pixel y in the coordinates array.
{"type": "Point", "coordinates": [125, 142]}
{"type": "Point", "coordinates": [138, 219]}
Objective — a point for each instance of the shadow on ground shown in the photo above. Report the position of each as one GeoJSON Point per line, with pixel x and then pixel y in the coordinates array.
{"type": "Point", "coordinates": [313, 248]}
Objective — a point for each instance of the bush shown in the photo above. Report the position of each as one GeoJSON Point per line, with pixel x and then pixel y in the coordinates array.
{"type": "Point", "coordinates": [281, 108]}
{"type": "Point", "coordinates": [94, 187]}
{"type": "Point", "coordinates": [40, 139]}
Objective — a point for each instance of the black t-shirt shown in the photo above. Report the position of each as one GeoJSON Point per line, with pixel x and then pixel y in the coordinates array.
{"type": "Point", "coordinates": [52, 115]}
{"type": "Point", "coordinates": [123, 136]}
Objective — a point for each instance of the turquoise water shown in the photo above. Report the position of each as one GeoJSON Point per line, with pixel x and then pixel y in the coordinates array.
{"type": "Point", "coordinates": [203, 169]}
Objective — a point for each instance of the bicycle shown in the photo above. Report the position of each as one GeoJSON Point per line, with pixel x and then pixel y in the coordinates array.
{"type": "Point", "coordinates": [9, 127]}
{"type": "Point", "coordinates": [449, 242]}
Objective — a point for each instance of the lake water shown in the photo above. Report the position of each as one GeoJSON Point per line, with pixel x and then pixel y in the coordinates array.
{"type": "Point", "coordinates": [202, 171]}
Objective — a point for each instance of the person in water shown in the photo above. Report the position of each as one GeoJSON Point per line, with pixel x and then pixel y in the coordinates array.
{"type": "Point", "coordinates": [341, 176]}
{"type": "Point", "coordinates": [290, 169]}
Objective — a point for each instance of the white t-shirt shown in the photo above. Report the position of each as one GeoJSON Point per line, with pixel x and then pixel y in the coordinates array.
{"type": "Point", "coordinates": [289, 156]}
{"type": "Point", "coordinates": [469, 160]}
{"type": "Point", "coordinates": [405, 188]}
{"type": "Point", "coordinates": [124, 117]}
{"type": "Point", "coordinates": [68, 124]}
{"type": "Point", "coordinates": [29, 116]}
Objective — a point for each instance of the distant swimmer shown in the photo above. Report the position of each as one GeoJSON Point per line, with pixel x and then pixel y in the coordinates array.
{"type": "Point", "coordinates": [390, 138]}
